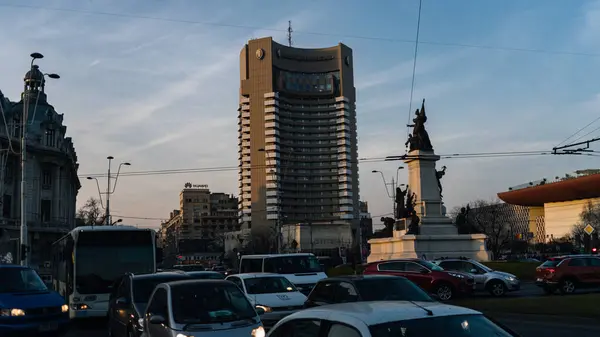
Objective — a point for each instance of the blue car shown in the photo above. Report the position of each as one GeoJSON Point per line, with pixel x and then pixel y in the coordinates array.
{"type": "Point", "coordinates": [27, 307]}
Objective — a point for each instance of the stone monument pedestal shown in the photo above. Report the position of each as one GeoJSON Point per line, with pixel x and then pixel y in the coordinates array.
{"type": "Point", "coordinates": [438, 237]}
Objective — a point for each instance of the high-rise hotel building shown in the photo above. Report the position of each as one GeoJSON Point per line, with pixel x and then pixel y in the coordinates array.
{"type": "Point", "coordinates": [297, 139]}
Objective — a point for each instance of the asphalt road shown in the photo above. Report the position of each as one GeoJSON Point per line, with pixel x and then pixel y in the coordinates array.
{"type": "Point", "coordinates": [526, 326]}
{"type": "Point", "coordinates": [529, 289]}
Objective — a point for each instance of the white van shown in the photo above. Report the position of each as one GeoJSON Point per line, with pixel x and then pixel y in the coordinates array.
{"type": "Point", "coordinates": [302, 269]}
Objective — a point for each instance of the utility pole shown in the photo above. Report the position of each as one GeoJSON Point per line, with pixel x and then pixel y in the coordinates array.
{"type": "Point", "coordinates": [289, 33]}
{"type": "Point", "coordinates": [107, 216]}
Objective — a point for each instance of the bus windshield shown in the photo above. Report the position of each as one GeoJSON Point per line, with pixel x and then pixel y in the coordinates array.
{"type": "Point", "coordinates": [103, 256]}
{"type": "Point", "coordinates": [292, 264]}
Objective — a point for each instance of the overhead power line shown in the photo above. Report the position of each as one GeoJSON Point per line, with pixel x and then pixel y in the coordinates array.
{"type": "Point", "coordinates": [357, 37]}
{"type": "Point", "coordinates": [578, 131]}
{"type": "Point", "coordinates": [361, 161]}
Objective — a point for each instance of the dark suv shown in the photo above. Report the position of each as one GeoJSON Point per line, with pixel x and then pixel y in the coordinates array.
{"type": "Point", "coordinates": [359, 288]}
{"type": "Point", "coordinates": [567, 273]}
{"type": "Point", "coordinates": [128, 301]}
{"type": "Point", "coordinates": [429, 276]}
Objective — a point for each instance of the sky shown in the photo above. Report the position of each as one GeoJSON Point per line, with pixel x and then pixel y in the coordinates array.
{"type": "Point", "coordinates": [156, 83]}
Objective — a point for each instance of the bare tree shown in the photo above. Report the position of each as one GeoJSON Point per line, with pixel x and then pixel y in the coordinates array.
{"type": "Point", "coordinates": [589, 216]}
{"type": "Point", "coordinates": [91, 213]}
{"type": "Point", "coordinates": [494, 220]}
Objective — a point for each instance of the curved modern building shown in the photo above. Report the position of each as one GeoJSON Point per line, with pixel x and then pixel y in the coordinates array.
{"type": "Point", "coordinates": [298, 141]}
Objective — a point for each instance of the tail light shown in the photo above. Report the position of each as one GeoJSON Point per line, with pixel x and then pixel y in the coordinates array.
{"type": "Point", "coordinates": [550, 271]}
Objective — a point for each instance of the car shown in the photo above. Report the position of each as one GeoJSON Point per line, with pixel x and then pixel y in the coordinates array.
{"type": "Point", "coordinates": [446, 285]}
{"type": "Point", "coordinates": [207, 274]}
{"type": "Point", "coordinates": [273, 294]}
{"type": "Point", "coordinates": [388, 319]}
{"type": "Point", "coordinates": [128, 301]}
{"type": "Point", "coordinates": [361, 288]}
{"type": "Point", "coordinates": [568, 273]}
{"type": "Point", "coordinates": [194, 308]}
{"type": "Point", "coordinates": [27, 306]}
{"type": "Point", "coordinates": [189, 267]}
{"type": "Point", "coordinates": [497, 283]}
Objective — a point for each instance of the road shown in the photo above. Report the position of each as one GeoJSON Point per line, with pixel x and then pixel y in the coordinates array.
{"type": "Point", "coordinates": [527, 326]}
{"type": "Point", "coordinates": [529, 289]}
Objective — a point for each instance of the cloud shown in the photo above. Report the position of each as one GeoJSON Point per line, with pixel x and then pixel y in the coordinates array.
{"type": "Point", "coordinates": [590, 27]}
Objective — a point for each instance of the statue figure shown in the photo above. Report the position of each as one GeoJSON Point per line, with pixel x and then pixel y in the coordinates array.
{"type": "Point", "coordinates": [400, 207]}
{"type": "Point", "coordinates": [413, 228]}
{"type": "Point", "coordinates": [419, 140]}
{"type": "Point", "coordinates": [439, 175]}
{"type": "Point", "coordinates": [462, 222]}
{"type": "Point", "coordinates": [410, 204]}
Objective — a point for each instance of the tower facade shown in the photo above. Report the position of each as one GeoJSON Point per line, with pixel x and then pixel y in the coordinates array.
{"type": "Point", "coordinates": [298, 140]}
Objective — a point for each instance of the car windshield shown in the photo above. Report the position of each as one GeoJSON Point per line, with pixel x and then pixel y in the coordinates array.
{"type": "Point", "coordinates": [292, 264]}
{"type": "Point", "coordinates": [143, 287]}
{"type": "Point", "coordinates": [268, 285]}
{"type": "Point", "coordinates": [20, 280]}
{"type": "Point", "coordinates": [390, 289]}
{"type": "Point", "coordinates": [447, 326]}
{"type": "Point", "coordinates": [482, 266]}
{"type": "Point", "coordinates": [205, 303]}
{"type": "Point", "coordinates": [200, 275]}
{"type": "Point", "coordinates": [431, 266]}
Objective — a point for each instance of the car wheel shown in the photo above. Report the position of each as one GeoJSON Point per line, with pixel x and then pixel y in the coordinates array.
{"type": "Point", "coordinates": [497, 288]}
{"type": "Point", "coordinates": [567, 286]}
{"type": "Point", "coordinates": [444, 292]}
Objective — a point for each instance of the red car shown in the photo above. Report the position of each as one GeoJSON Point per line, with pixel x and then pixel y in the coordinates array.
{"type": "Point", "coordinates": [431, 277]}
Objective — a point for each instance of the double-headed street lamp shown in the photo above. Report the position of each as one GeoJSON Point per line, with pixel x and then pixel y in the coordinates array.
{"type": "Point", "coordinates": [394, 184]}
{"type": "Point", "coordinates": [34, 81]}
{"type": "Point", "coordinates": [108, 192]}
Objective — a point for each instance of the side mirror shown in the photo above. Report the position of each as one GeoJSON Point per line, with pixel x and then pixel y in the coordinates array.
{"type": "Point", "coordinates": [259, 311]}
{"type": "Point", "coordinates": [121, 301]}
{"type": "Point", "coordinates": [157, 319]}
{"type": "Point", "coordinates": [473, 271]}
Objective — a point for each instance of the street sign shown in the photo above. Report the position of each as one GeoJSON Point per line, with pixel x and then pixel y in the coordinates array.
{"type": "Point", "coordinates": [588, 229]}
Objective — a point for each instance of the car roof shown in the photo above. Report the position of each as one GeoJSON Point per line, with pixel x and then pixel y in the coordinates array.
{"type": "Point", "coordinates": [397, 260]}
{"type": "Point", "coordinates": [379, 312]}
{"type": "Point", "coordinates": [179, 283]}
{"type": "Point", "coordinates": [15, 266]}
{"type": "Point", "coordinates": [159, 274]}
{"type": "Point", "coordinates": [351, 278]}
{"type": "Point", "coordinates": [261, 256]}
{"type": "Point", "coordinates": [196, 272]}
{"type": "Point", "coordinates": [255, 275]}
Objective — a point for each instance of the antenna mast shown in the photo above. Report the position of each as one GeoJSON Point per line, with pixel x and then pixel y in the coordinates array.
{"type": "Point", "coordinates": [289, 33]}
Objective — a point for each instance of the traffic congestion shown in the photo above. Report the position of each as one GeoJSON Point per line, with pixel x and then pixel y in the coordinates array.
{"type": "Point", "coordinates": [111, 273]}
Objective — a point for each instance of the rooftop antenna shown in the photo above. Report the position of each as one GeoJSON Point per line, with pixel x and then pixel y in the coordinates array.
{"type": "Point", "coordinates": [289, 33]}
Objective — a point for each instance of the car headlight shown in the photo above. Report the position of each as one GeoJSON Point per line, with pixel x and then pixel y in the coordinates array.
{"type": "Point", "coordinates": [263, 307]}
{"type": "Point", "coordinates": [456, 275]}
{"type": "Point", "coordinates": [181, 335]}
{"type": "Point", "coordinates": [510, 278]}
{"type": "Point", "coordinates": [140, 322]}
{"type": "Point", "coordinates": [259, 332]}
{"type": "Point", "coordinates": [64, 308]}
{"type": "Point", "coordinates": [12, 312]}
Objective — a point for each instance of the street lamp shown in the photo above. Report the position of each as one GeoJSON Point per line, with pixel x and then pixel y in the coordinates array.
{"type": "Point", "coordinates": [393, 184]}
{"type": "Point", "coordinates": [97, 185]}
{"type": "Point", "coordinates": [108, 190]}
{"type": "Point", "coordinates": [31, 83]}
{"type": "Point", "coordinates": [116, 222]}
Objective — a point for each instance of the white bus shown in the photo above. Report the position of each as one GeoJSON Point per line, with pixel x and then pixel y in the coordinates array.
{"type": "Point", "coordinates": [88, 260]}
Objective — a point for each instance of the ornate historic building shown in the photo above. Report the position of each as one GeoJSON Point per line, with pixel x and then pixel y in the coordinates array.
{"type": "Point", "coordinates": [298, 141]}
{"type": "Point", "coordinates": [51, 170]}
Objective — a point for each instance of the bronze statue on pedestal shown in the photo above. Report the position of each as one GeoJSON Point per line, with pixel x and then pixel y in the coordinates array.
{"type": "Point", "coordinates": [419, 139]}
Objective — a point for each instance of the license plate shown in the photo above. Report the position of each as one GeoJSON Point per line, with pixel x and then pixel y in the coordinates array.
{"type": "Point", "coordinates": [539, 280]}
{"type": "Point", "coordinates": [48, 327]}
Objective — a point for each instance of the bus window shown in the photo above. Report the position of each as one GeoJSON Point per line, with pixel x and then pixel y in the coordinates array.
{"type": "Point", "coordinates": [251, 265]}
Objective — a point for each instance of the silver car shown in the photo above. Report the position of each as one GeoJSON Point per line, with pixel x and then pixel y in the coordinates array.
{"type": "Point", "coordinates": [497, 283]}
{"type": "Point", "coordinates": [194, 308]}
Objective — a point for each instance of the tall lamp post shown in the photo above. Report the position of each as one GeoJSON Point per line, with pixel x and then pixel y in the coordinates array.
{"type": "Point", "coordinates": [109, 191]}
{"type": "Point", "coordinates": [394, 184]}
{"type": "Point", "coordinates": [34, 81]}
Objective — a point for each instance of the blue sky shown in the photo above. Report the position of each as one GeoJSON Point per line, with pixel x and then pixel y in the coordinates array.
{"type": "Point", "coordinates": [163, 93]}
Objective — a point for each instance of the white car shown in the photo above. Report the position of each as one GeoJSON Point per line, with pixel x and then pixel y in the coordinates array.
{"type": "Point", "coordinates": [388, 319]}
{"type": "Point", "coordinates": [273, 295]}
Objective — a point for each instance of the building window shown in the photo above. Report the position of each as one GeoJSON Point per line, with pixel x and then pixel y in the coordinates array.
{"type": "Point", "coordinates": [49, 137]}
{"type": "Point", "coordinates": [46, 179]}
{"type": "Point", "coordinates": [46, 210]}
